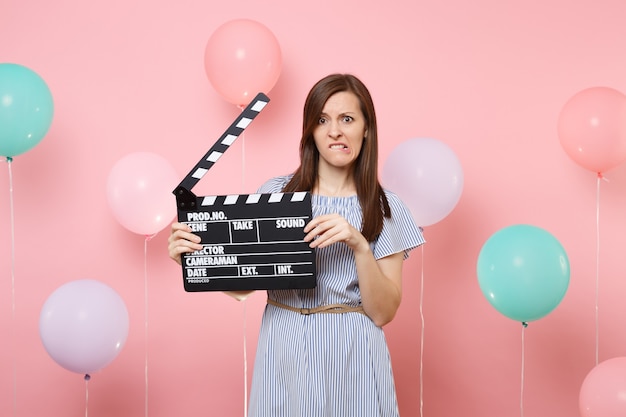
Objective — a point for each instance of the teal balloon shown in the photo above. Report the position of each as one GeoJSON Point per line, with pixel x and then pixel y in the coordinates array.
{"type": "Point", "coordinates": [26, 109]}
{"type": "Point", "coordinates": [524, 272]}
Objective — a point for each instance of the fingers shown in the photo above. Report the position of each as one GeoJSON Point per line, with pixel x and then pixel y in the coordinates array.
{"type": "Point", "coordinates": [326, 230]}
{"type": "Point", "coordinates": [315, 228]}
{"type": "Point", "coordinates": [321, 223]}
{"type": "Point", "coordinates": [325, 240]}
{"type": "Point", "coordinates": [182, 231]}
{"type": "Point", "coordinates": [182, 240]}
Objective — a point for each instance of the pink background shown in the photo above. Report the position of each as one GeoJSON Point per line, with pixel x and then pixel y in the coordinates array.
{"type": "Point", "coordinates": [487, 77]}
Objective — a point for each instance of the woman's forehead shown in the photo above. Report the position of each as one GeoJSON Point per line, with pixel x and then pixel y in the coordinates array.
{"type": "Point", "coordinates": [342, 102]}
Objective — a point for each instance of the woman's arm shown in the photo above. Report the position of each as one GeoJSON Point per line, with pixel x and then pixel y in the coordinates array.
{"type": "Point", "coordinates": [380, 281]}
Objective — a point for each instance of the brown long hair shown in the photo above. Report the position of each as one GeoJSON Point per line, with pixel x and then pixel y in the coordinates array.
{"type": "Point", "coordinates": [365, 171]}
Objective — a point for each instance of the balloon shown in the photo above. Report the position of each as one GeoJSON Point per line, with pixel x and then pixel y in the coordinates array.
{"type": "Point", "coordinates": [139, 192]}
{"type": "Point", "coordinates": [592, 128]}
{"type": "Point", "coordinates": [26, 109]}
{"type": "Point", "coordinates": [427, 176]}
{"type": "Point", "coordinates": [83, 325]}
{"type": "Point", "coordinates": [603, 391]}
{"type": "Point", "coordinates": [241, 59]}
{"type": "Point", "coordinates": [523, 271]}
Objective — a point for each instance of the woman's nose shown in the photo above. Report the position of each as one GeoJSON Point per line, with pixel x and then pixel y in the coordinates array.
{"type": "Point", "coordinates": [334, 130]}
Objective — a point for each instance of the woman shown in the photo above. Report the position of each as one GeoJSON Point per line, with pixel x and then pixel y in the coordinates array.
{"type": "Point", "coordinates": [322, 351]}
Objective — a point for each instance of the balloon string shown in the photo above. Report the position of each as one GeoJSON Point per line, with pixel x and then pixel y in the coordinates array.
{"type": "Point", "coordinates": [243, 162]}
{"type": "Point", "coordinates": [145, 303]}
{"type": "Point", "coordinates": [245, 340]}
{"type": "Point", "coordinates": [87, 378]}
{"type": "Point", "coordinates": [243, 157]}
{"type": "Point", "coordinates": [12, 220]}
{"type": "Point", "coordinates": [245, 363]}
{"type": "Point", "coordinates": [521, 401]}
{"type": "Point", "coordinates": [597, 318]}
{"type": "Point", "coordinates": [422, 337]}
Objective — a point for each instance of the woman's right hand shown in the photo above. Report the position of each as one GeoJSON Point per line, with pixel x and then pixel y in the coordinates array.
{"type": "Point", "coordinates": [182, 240]}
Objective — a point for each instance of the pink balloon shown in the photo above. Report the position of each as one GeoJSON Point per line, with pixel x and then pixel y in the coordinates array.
{"type": "Point", "coordinates": [83, 325]}
{"type": "Point", "coordinates": [139, 192]}
{"type": "Point", "coordinates": [427, 175]}
{"type": "Point", "coordinates": [603, 392]}
{"type": "Point", "coordinates": [592, 128]}
{"type": "Point", "coordinates": [241, 59]}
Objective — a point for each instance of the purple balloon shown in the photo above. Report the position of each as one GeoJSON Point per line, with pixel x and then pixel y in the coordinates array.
{"type": "Point", "coordinates": [83, 325]}
{"type": "Point", "coordinates": [427, 176]}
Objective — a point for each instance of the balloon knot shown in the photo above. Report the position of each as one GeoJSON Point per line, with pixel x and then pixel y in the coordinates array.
{"type": "Point", "coordinates": [87, 377]}
{"type": "Point", "coordinates": [9, 159]}
{"type": "Point", "coordinates": [524, 324]}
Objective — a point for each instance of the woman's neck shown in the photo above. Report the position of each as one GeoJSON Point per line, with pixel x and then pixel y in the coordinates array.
{"type": "Point", "coordinates": [335, 184]}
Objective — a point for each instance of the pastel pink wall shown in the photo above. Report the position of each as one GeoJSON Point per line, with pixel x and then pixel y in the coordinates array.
{"type": "Point", "coordinates": [487, 77]}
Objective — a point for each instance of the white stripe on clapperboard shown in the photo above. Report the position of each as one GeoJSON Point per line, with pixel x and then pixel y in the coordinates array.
{"type": "Point", "coordinates": [230, 138]}
{"type": "Point", "coordinates": [252, 198]}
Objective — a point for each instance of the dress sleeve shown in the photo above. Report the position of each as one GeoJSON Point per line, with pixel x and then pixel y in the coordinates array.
{"type": "Point", "coordinates": [274, 185]}
{"type": "Point", "coordinates": [400, 233]}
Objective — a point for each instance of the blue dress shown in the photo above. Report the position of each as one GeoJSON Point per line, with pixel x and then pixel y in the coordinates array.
{"type": "Point", "coordinates": [329, 365]}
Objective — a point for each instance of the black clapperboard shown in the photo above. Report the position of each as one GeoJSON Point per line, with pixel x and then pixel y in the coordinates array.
{"type": "Point", "coordinates": [250, 242]}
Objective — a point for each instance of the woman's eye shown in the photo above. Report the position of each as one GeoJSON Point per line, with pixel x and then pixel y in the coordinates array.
{"type": "Point", "coordinates": [321, 121]}
{"type": "Point", "coordinates": [347, 119]}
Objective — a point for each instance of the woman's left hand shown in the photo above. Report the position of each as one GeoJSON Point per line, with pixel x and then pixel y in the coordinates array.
{"type": "Point", "coordinates": [325, 230]}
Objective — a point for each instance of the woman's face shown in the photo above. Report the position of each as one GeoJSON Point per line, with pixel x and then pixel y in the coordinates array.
{"type": "Point", "coordinates": [340, 131]}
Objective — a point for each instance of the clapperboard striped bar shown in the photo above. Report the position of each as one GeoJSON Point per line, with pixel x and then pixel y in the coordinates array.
{"type": "Point", "coordinates": [252, 241]}
{"type": "Point", "coordinates": [217, 150]}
